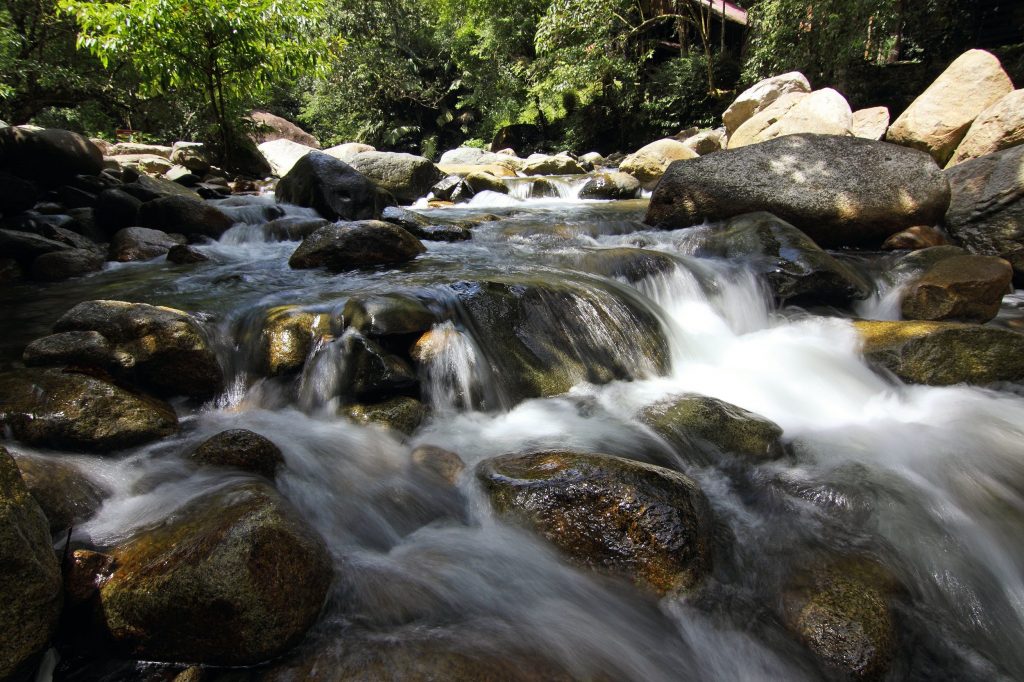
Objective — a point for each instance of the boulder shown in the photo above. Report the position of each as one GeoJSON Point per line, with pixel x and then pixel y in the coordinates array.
{"type": "Point", "coordinates": [65, 495]}
{"type": "Point", "coordinates": [387, 314]}
{"type": "Point", "coordinates": [650, 162]}
{"type": "Point", "coordinates": [137, 148]}
{"type": "Point", "coordinates": [364, 243]}
{"type": "Point", "coordinates": [542, 164]}
{"type": "Point", "coordinates": [30, 583]}
{"type": "Point", "coordinates": [191, 155]}
{"type": "Point", "coordinates": [427, 228]}
{"type": "Point", "coordinates": [348, 150]}
{"type": "Point", "coordinates": [405, 176]}
{"type": "Point", "coordinates": [841, 191]}
{"type": "Point", "coordinates": [283, 154]}
{"type": "Point", "coordinates": [841, 612]}
{"type": "Point", "coordinates": [25, 247]}
{"type": "Point", "coordinates": [240, 449]}
{"type": "Point", "coordinates": [51, 408]}
{"type": "Point", "coordinates": [332, 187]}
{"type": "Point", "coordinates": [162, 349]}
{"type": "Point", "coordinates": [184, 254]}
{"type": "Point", "coordinates": [233, 578]}
{"type": "Point", "coordinates": [962, 288]}
{"type": "Point", "coordinates": [705, 425]}
{"type": "Point", "coordinates": [823, 112]}
{"type": "Point", "coordinates": [270, 127]}
{"type": "Point", "coordinates": [49, 156]}
{"type": "Point", "coordinates": [16, 194]}
{"type": "Point", "coordinates": [998, 127]}
{"type": "Point", "coordinates": [938, 119]}
{"type": "Point", "coordinates": [58, 266]}
{"type": "Point", "coordinates": [498, 170]}
{"type": "Point", "coordinates": [452, 188]}
{"type": "Point", "coordinates": [650, 524]}
{"type": "Point", "coordinates": [916, 237]}
{"type": "Point", "coordinates": [147, 188]}
{"type": "Point", "coordinates": [870, 123]}
{"type": "Point", "coordinates": [292, 228]}
{"type": "Point", "coordinates": [759, 96]}
{"type": "Point", "coordinates": [372, 373]}
{"type": "Point", "coordinates": [706, 141]}
{"type": "Point", "coordinates": [753, 128]}
{"type": "Point", "coordinates": [85, 349]}
{"type": "Point", "coordinates": [184, 216]}
{"type": "Point", "coordinates": [485, 181]}
{"type": "Point", "coordinates": [626, 263]}
{"type": "Point", "coordinates": [115, 210]}
{"type": "Point", "coordinates": [797, 270]}
{"type": "Point", "coordinates": [402, 413]}
{"type": "Point", "coordinates": [143, 163]}
{"type": "Point", "coordinates": [986, 212]}
{"type": "Point", "coordinates": [611, 186]}
{"type": "Point", "coordinates": [288, 335]}
{"type": "Point", "coordinates": [943, 353]}
{"type": "Point", "coordinates": [140, 243]}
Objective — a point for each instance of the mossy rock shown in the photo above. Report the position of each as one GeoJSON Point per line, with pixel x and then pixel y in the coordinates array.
{"type": "Point", "coordinates": [372, 373]}
{"type": "Point", "coordinates": [51, 408]}
{"type": "Point", "coordinates": [841, 612]}
{"type": "Point", "coordinates": [401, 413]}
{"type": "Point", "coordinates": [30, 582]}
{"type": "Point", "coordinates": [625, 263]}
{"type": "Point", "coordinates": [387, 315]}
{"type": "Point", "coordinates": [65, 495]}
{"type": "Point", "coordinates": [697, 422]}
{"type": "Point", "coordinates": [288, 335]}
{"type": "Point", "coordinates": [943, 353]}
{"type": "Point", "coordinates": [648, 523]}
{"type": "Point", "coordinates": [240, 449]}
{"type": "Point", "coordinates": [234, 578]}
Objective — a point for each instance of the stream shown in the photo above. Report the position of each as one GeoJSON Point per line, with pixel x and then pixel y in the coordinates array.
{"type": "Point", "coordinates": [928, 482]}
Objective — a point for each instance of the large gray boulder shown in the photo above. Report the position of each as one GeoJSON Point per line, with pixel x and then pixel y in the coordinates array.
{"type": "Point", "coordinates": [840, 191]}
{"type": "Point", "coordinates": [364, 243]}
{"type": "Point", "coordinates": [49, 156]}
{"type": "Point", "coordinates": [332, 187]}
{"type": "Point", "coordinates": [986, 213]}
{"type": "Point", "coordinates": [30, 582]}
{"type": "Point", "coordinates": [405, 176]}
{"type": "Point", "coordinates": [282, 155]}
{"type": "Point", "coordinates": [938, 119]}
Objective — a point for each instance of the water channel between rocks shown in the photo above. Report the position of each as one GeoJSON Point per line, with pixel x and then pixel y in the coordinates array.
{"type": "Point", "coordinates": [927, 482]}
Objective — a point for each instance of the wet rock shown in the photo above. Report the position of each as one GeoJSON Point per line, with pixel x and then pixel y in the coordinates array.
{"type": "Point", "coordinates": [482, 181]}
{"type": "Point", "coordinates": [422, 227]}
{"type": "Point", "coordinates": [373, 373]}
{"type": "Point", "coordinates": [402, 414]}
{"type": "Point", "coordinates": [963, 288]}
{"type": "Point", "coordinates": [841, 191]}
{"type": "Point", "coordinates": [649, 523]}
{"type": "Point", "coordinates": [405, 176]}
{"type": "Point", "coordinates": [30, 583]}
{"type": "Point", "coordinates": [60, 265]}
{"type": "Point", "coordinates": [437, 463]}
{"type": "Point", "coordinates": [116, 209]}
{"type": "Point", "coordinates": [365, 243]}
{"type": "Point", "coordinates": [292, 228]}
{"type": "Point", "coordinates": [146, 188]}
{"type": "Point", "coordinates": [89, 348]}
{"type": "Point", "coordinates": [841, 612]}
{"type": "Point", "coordinates": [163, 349]}
{"type": "Point", "coordinates": [140, 243]}
{"type": "Point", "coordinates": [986, 213]}
{"type": "Point", "coordinates": [697, 422]}
{"type": "Point", "coordinates": [943, 353]}
{"type": "Point", "coordinates": [287, 337]}
{"type": "Point", "coordinates": [233, 578]}
{"type": "Point", "coordinates": [50, 408]}
{"type": "Point", "coordinates": [387, 315]}
{"type": "Point", "coordinates": [797, 270]}
{"type": "Point", "coordinates": [871, 123]}
{"type": "Point", "coordinates": [917, 237]}
{"type": "Point", "coordinates": [998, 127]}
{"type": "Point", "coordinates": [240, 449]}
{"type": "Point", "coordinates": [65, 495]}
{"type": "Point", "coordinates": [282, 155]}
{"type": "Point", "coordinates": [25, 247]}
{"type": "Point", "coordinates": [611, 186]}
{"type": "Point", "coordinates": [183, 254]}
{"type": "Point", "coordinates": [759, 96]}
{"type": "Point", "coordinates": [48, 156]}
{"type": "Point", "coordinates": [541, 188]}
{"type": "Point", "coordinates": [939, 118]}
{"type": "Point", "coordinates": [625, 263]}
{"type": "Point", "coordinates": [650, 162]}
{"type": "Point", "coordinates": [10, 271]}
{"type": "Point", "coordinates": [273, 127]}
{"type": "Point", "coordinates": [184, 216]}
{"type": "Point", "coordinates": [332, 187]}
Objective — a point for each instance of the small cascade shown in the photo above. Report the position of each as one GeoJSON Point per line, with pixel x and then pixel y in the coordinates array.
{"type": "Point", "coordinates": [452, 372]}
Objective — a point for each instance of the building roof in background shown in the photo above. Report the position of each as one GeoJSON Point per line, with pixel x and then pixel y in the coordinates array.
{"type": "Point", "coordinates": [732, 12]}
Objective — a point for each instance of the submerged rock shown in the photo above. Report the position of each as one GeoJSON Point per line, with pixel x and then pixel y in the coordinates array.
{"type": "Point", "coordinates": [402, 413]}
{"type": "Point", "coordinates": [332, 187]}
{"type": "Point", "coordinates": [183, 254]}
{"type": "Point", "coordinates": [943, 353]}
{"type": "Point", "coordinates": [50, 408]}
{"type": "Point", "coordinates": [437, 463]}
{"type": "Point", "coordinates": [625, 263]}
{"type": "Point", "coordinates": [235, 577]}
{"type": "Point", "coordinates": [697, 422]}
{"type": "Point", "coordinates": [240, 449]}
{"type": "Point", "coordinates": [963, 288]}
{"type": "Point", "coordinates": [185, 216]}
{"type": "Point", "coordinates": [65, 495]}
{"type": "Point", "coordinates": [346, 246]}
{"type": "Point", "coordinates": [841, 191]}
{"type": "Point", "coordinates": [648, 523]}
{"type": "Point", "coordinates": [372, 373]}
{"type": "Point", "coordinates": [387, 315]}
{"type": "Point", "coordinates": [30, 583]}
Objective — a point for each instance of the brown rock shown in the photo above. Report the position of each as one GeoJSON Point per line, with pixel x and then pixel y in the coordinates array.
{"type": "Point", "coordinates": [963, 288]}
{"type": "Point", "coordinates": [913, 238]}
{"type": "Point", "coordinates": [240, 449]}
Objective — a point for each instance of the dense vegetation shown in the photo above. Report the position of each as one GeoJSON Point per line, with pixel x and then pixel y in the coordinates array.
{"type": "Point", "coordinates": [424, 75]}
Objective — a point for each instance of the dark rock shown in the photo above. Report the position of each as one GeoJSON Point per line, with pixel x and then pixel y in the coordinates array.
{"type": "Point", "coordinates": [64, 494]}
{"type": "Point", "coordinates": [16, 194]}
{"type": "Point", "coordinates": [25, 247]}
{"type": "Point", "coordinates": [373, 373]}
{"type": "Point", "coordinates": [234, 578]}
{"type": "Point", "coordinates": [626, 263]}
{"type": "Point", "coordinates": [332, 187]}
{"type": "Point", "coordinates": [74, 197]}
{"type": "Point", "coordinates": [64, 235]}
{"type": "Point", "coordinates": [388, 314]}
{"type": "Point", "coordinates": [402, 413]}
{"type": "Point", "coordinates": [146, 188]}
{"type": "Point", "coordinates": [292, 229]}
{"type": "Point", "coordinates": [345, 246]}
{"type": "Point", "coordinates": [50, 408]}
{"type": "Point", "coordinates": [61, 265]}
{"type": "Point", "coordinates": [648, 523]}
{"type": "Point", "coordinates": [611, 186]}
{"type": "Point", "coordinates": [543, 189]}
{"type": "Point", "coordinates": [10, 270]}
{"type": "Point", "coordinates": [140, 243]}
{"type": "Point", "coordinates": [445, 188]}
{"type": "Point", "coordinates": [30, 583]}
{"type": "Point", "coordinates": [50, 157]}
{"type": "Point", "coordinates": [701, 423]}
{"type": "Point", "coordinates": [422, 227]}
{"type": "Point", "coordinates": [89, 349]}
{"type": "Point", "coordinates": [187, 216]}
{"type": "Point", "coordinates": [163, 349]}
{"type": "Point", "coordinates": [240, 449]}
{"type": "Point", "coordinates": [183, 253]}
{"type": "Point", "coordinates": [962, 288]}
{"type": "Point", "coordinates": [797, 270]}
{"type": "Point", "coordinates": [841, 191]}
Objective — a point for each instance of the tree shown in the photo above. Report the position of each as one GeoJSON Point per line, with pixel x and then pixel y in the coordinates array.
{"type": "Point", "coordinates": [229, 50]}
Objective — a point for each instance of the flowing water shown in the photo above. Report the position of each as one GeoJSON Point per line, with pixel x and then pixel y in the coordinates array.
{"type": "Point", "coordinates": [927, 481]}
